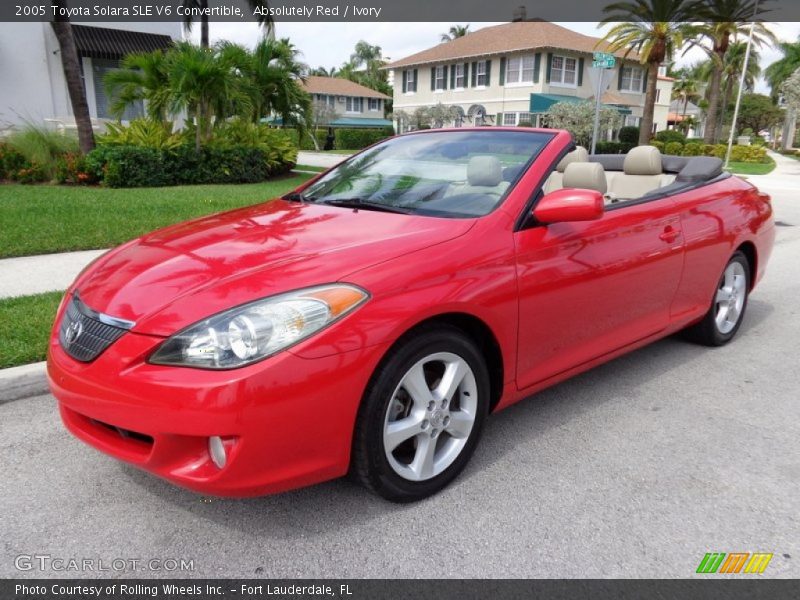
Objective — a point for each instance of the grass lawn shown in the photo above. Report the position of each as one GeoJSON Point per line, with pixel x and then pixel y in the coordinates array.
{"type": "Point", "coordinates": [743, 168]}
{"type": "Point", "coordinates": [40, 219]}
{"type": "Point", "coordinates": [25, 324]}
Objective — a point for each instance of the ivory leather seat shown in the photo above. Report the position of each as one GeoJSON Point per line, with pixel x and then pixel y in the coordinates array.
{"type": "Point", "coordinates": [556, 179]}
{"type": "Point", "coordinates": [642, 173]}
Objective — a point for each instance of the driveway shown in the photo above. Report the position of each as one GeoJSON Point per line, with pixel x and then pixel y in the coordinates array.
{"type": "Point", "coordinates": [635, 469]}
{"type": "Point", "coordinates": [320, 159]}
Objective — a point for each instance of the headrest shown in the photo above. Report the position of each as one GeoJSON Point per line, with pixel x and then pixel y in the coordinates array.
{"type": "Point", "coordinates": [484, 171]}
{"type": "Point", "coordinates": [643, 160]}
{"type": "Point", "coordinates": [578, 155]}
{"type": "Point", "coordinates": [588, 176]}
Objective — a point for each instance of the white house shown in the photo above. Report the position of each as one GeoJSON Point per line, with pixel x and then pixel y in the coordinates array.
{"type": "Point", "coordinates": [32, 83]}
{"type": "Point", "coordinates": [514, 72]}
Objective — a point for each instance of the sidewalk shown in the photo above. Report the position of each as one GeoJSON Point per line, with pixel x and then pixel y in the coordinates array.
{"type": "Point", "coordinates": [785, 177]}
{"type": "Point", "coordinates": [44, 273]}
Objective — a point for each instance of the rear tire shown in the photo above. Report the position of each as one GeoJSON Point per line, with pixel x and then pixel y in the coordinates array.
{"type": "Point", "coordinates": [422, 415]}
{"type": "Point", "coordinates": [723, 319]}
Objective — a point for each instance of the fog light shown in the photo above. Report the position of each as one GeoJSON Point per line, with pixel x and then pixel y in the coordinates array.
{"type": "Point", "coordinates": [217, 451]}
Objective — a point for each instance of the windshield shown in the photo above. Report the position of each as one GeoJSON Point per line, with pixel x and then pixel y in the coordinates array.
{"type": "Point", "coordinates": [446, 174]}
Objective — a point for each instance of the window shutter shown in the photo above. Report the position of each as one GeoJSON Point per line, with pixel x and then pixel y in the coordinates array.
{"type": "Point", "coordinates": [452, 77]}
{"type": "Point", "coordinates": [474, 74]}
{"type": "Point", "coordinates": [499, 118]}
{"type": "Point", "coordinates": [488, 73]}
{"type": "Point", "coordinates": [444, 75]}
{"type": "Point", "coordinates": [548, 67]}
{"type": "Point", "coordinates": [580, 72]}
{"type": "Point", "coordinates": [405, 81]}
{"type": "Point", "coordinates": [503, 71]}
{"type": "Point", "coordinates": [644, 81]}
{"type": "Point", "coordinates": [416, 79]}
{"type": "Point", "coordinates": [433, 78]}
{"type": "Point", "coordinates": [466, 75]}
{"type": "Point", "coordinates": [619, 80]}
{"type": "Point", "coordinates": [537, 64]}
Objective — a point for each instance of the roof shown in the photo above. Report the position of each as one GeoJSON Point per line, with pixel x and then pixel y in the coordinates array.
{"type": "Point", "coordinates": [509, 37]}
{"type": "Point", "coordinates": [100, 42]}
{"type": "Point", "coordinates": [336, 86]}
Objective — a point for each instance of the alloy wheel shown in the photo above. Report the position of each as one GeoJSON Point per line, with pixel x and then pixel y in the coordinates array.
{"type": "Point", "coordinates": [730, 297]}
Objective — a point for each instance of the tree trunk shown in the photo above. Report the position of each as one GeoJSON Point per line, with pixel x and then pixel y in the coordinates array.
{"type": "Point", "coordinates": [789, 126]}
{"type": "Point", "coordinates": [726, 102]}
{"type": "Point", "coordinates": [204, 24]}
{"type": "Point", "coordinates": [710, 135]}
{"type": "Point", "coordinates": [646, 126]}
{"type": "Point", "coordinates": [72, 72]}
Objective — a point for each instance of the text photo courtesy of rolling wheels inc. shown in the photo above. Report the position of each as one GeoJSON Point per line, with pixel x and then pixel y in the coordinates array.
{"type": "Point", "coordinates": [413, 300]}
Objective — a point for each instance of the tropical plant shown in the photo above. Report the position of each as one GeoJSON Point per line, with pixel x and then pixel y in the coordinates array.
{"type": "Point", "coordinates": [193, 8]}
{"type": "Point", "coordinates": [142, 76]}
{"type": "Point", "coordinates": [70, 63]}
{"type": "Point", "coordinates": [724, 20]}
{"type": "Point", "coordinates": [685, 90]}
{"type": "Point", "coordinates": [578, 119]}
{"type": "Point", "coordinates": [323, 72]}
{"type": "Point", "coordinates": [365, 67]}
{"type": "Point", "coordinates": [440, 115]}
{"type": "Point", "coordinates": [456, 31]}
{"type": "Point", "coordinates": [653, 29]}
{"type": "Point", "coordinates": [42, 148]}
{"type": "Point", "coordinates": [791, 90]}
{"type": "Point", "coordinates": [148, 133]}
{"type": "Point", "coordinates": [779, 71]}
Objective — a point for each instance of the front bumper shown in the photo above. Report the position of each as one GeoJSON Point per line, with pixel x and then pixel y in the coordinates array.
{"type": "Point", "coordinates": [290, 419]}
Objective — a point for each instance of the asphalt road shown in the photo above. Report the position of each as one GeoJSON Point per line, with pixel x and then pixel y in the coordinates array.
{"type": "Point", "coordinates": [635, 469]}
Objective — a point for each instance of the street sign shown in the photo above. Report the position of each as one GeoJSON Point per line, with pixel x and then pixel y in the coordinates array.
{"type": "Point", "coordinates": [603, 60]}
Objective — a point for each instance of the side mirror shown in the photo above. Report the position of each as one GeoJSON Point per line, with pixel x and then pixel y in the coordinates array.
{"type": "Point", "coordinates": [569, 204]}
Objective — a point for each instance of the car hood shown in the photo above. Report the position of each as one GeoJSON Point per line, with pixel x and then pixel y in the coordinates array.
{"type": "Point", "coordinates": [176, 276]}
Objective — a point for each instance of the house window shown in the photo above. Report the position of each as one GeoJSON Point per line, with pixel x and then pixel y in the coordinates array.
{"type": "Point", "coordinates": [510, 118]}
{"type": "Point", "coordinates": [631, 80]}
{"type": "Point", "coordinates": [459, 77]}
{"type": "Point", "coordinates": [439, 78]}
{"type": "Point", "coordinates": [480, 74]}
{"type": "Point", "coordinates": [563, 71]}
{"type": "Point", "coordinates": [354, 105]}
{"type": "Point", "coordinates": [525, 117]}
{"type": "Point", "coordinates": [658, 95]}
{"type": "Point", "coordinates": [631, 121]}
{"type": "Point", "coordinates": [374, 104]}
{"type": "Point", "coordinates": [519, 69]}
{"type": "Point", "coordinates": [411, 81]}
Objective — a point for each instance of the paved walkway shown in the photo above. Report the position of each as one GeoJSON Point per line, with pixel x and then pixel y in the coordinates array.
{"type": "Point", "coordinates": [45, 273]}
{"type": "Point", "coordinates": [785, 177]}
{"type": "Point", "coordinates": [320, 159]}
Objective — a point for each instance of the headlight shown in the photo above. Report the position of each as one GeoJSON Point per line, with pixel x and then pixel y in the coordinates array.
{"type": "Point", "coordinates": [254, 331]}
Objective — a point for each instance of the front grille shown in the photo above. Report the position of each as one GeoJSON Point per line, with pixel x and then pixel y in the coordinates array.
{"type": "Point", "coordinates": [84, 333]}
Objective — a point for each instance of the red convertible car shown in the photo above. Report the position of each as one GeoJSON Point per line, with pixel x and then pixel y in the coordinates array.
{"type": "Point", "coordinates": [369, 322]}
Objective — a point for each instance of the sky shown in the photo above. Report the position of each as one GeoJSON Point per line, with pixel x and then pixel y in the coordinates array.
{"type": "Point", "coordinates": [330, 44]}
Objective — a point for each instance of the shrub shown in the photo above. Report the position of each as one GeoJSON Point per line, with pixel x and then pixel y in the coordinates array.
{"type": "Point", "coordinates": [524, 124]}
{"type": "Point", "coordinates": [670, 135]}
{"type": "Point", "coordinates": [657, 144]}
{"type": "Point", "coordinates": [629, 135]}
{"type": "Point", "coordinates": [11, 161]}
{"type": "Point", "coordinates": [750, 154]}
{"type": "Point", "coordinates": [693, 149]}
{"type": "Point", "coordinates": [673, 148]}
{"type": "Point", "coordinates": [72, 168]}
{"type": "Point", "coordinates": [717, 150]}
{"type": "Point", "coordinates": [278, 145]}
{"type": "Point", "coordinates": [41, 148]}
{"type": "Point", "coordinates": [147, 133]}
{"type": "Point", "coordinates": [613, 147]}
{"type": "Point", "coordinates": [356, 139]}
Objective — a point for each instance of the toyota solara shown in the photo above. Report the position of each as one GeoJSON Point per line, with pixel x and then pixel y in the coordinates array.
{"type": "Point", "coordinates": [368, 322]}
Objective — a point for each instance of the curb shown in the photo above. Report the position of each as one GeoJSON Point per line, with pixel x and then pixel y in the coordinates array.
{"type": "Point", "coordinates": [26, 381]}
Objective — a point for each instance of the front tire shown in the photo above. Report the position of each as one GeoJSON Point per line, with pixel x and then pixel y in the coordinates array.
{"type": "Point", "coordinates": [728, 306]}
{"type": "Point", "coordinates": [422, 415]}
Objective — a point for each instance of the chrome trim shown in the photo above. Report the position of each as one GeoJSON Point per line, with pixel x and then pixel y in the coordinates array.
{"type": "Point", "coordinates": [98, 316]}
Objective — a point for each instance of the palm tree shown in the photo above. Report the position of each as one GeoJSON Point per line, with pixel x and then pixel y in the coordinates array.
{"type": "Point", "coordinates": [724, 21]}
{"type": "Point", "coordinates": [654, 29]}
{"type": "Point", "coordinates": [206, 84]}
{"type": "Point", "coordinates": [323, 72]}
{"type": "Point", "coordinates": [782, 69]}
{"type": "Point", "coordinates": [70, 63]}
{"type": "Point", "coordinates": [456, 31]}
{"type": "Point", "coordinates": [777, 74]}
{"type": "Point", "coordinates": [685, 90]}
{"type": "Point", "coordinates": [201, 7]}
{"type": "Point", "coordinates": [143, 76]}
{"type": "Point", "coordinates": [365, 67]}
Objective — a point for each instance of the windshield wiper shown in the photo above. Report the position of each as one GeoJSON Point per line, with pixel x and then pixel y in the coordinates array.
{"type": "Point", "coordinates": [297, 197]}
{"type": "Point", "coordinates": [366, 205]}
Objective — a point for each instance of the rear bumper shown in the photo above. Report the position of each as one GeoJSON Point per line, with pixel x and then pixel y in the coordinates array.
{"type": "Point", "coordinates": [289, 420]}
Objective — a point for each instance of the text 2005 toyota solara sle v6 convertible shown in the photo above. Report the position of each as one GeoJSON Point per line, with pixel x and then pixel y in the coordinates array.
{"type": "Point", "coordinates": [368, 322]}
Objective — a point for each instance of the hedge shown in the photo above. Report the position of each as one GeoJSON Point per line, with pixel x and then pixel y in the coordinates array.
{"type": "Point", "coordinates": [137, 166]}
{"type": "Point", "coordinates": [750, 154]}
{"type": "Point", "coordinates": [613, 147]}
{"type": "Point", "coordinates": [345, 138]}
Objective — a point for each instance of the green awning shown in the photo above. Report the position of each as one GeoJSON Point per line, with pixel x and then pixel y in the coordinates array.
{"type": "Point", "coordinates": [541, 103]}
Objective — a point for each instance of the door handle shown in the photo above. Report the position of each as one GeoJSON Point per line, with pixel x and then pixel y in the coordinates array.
{"type": "Point", "coordinates": [670, 234]}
